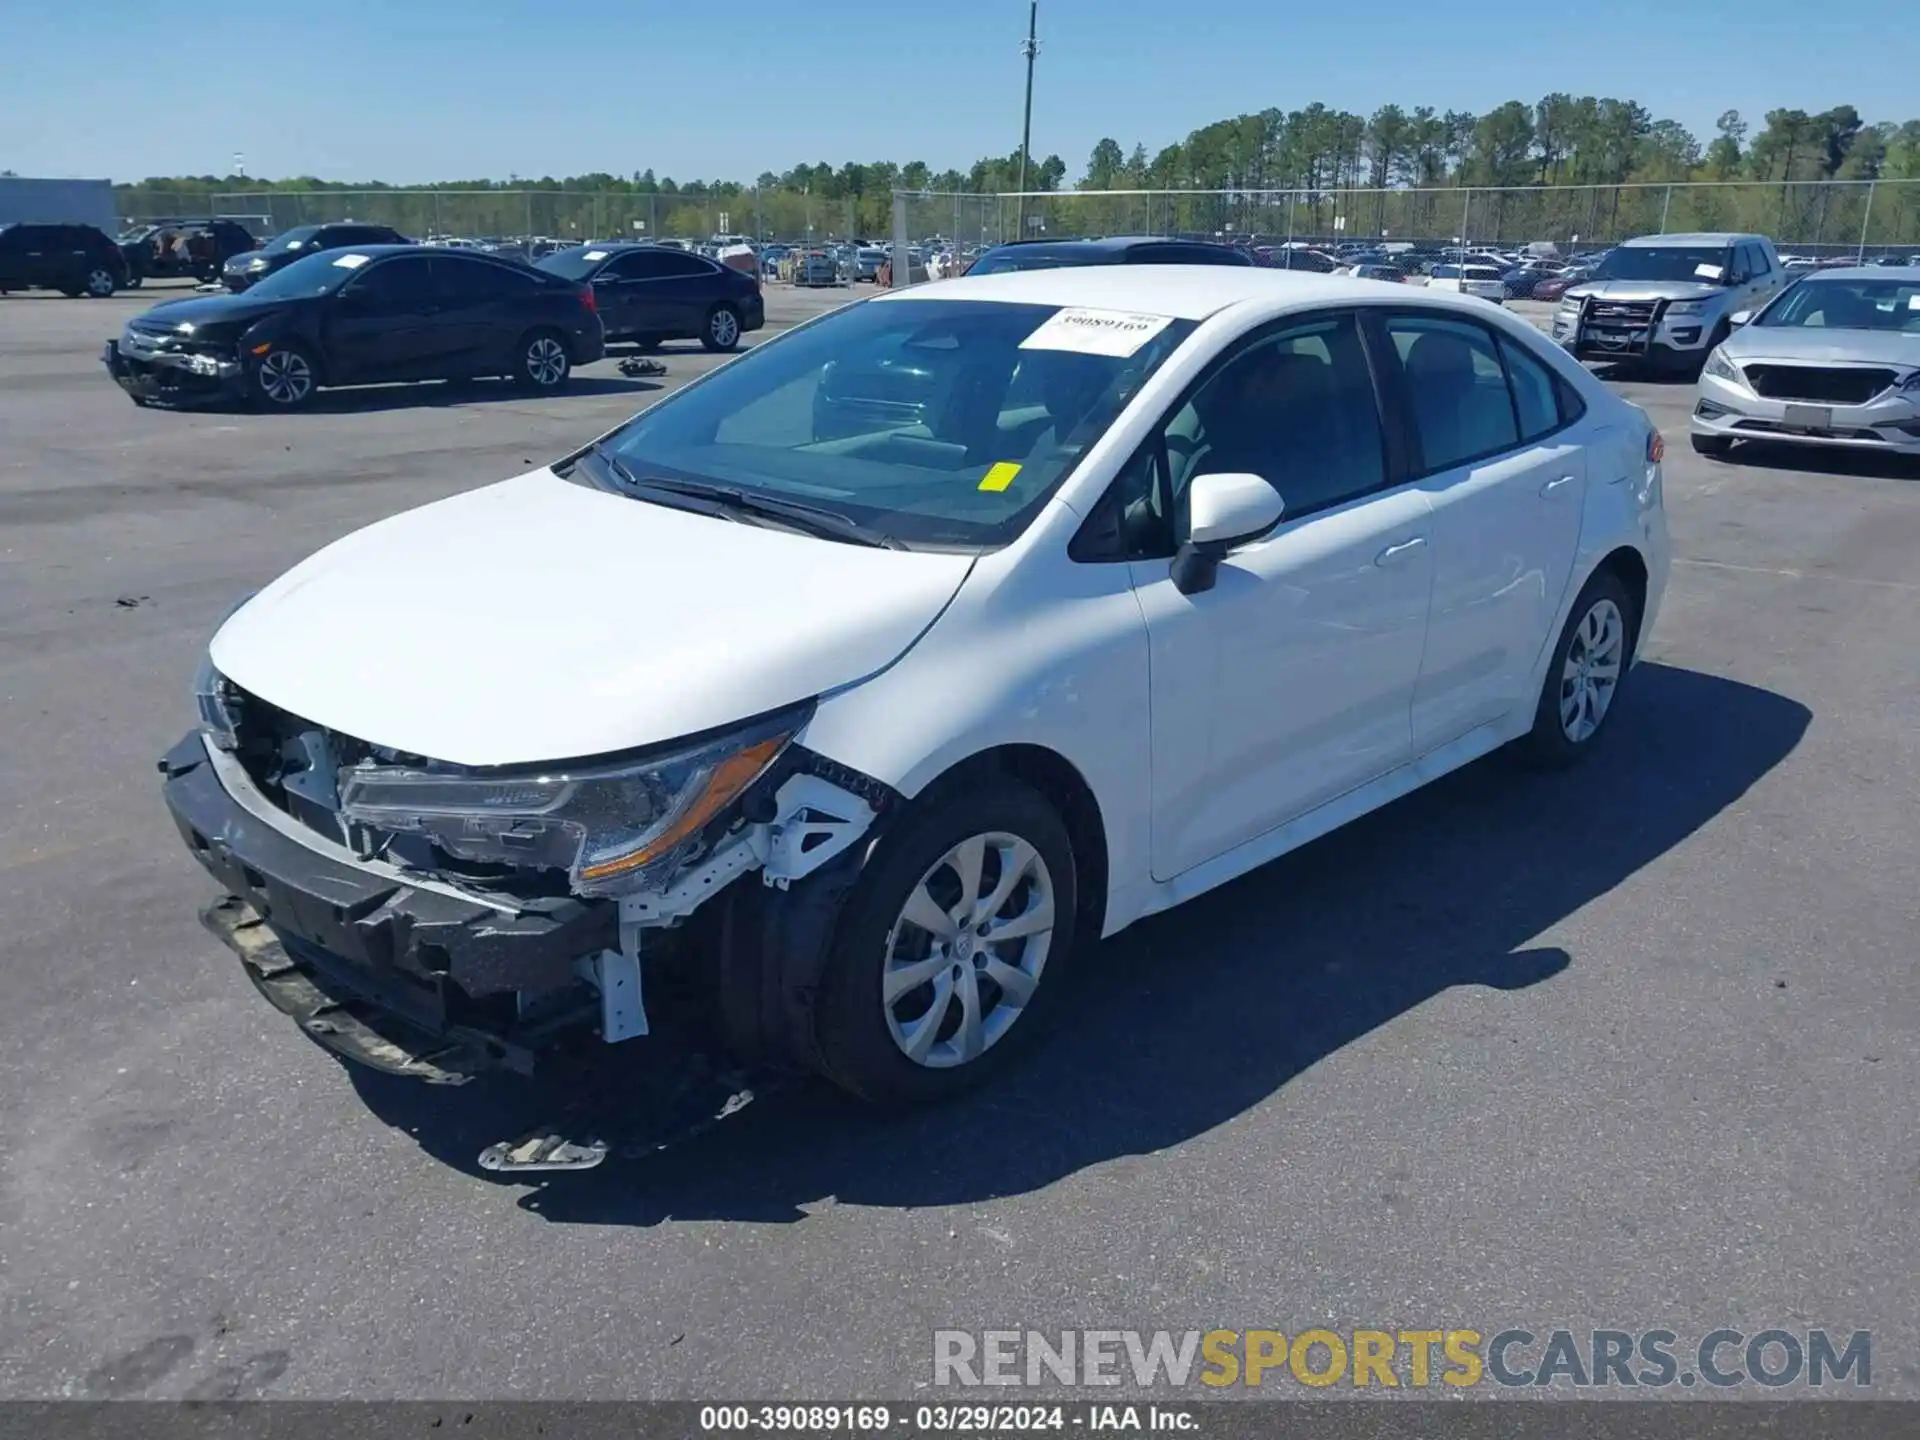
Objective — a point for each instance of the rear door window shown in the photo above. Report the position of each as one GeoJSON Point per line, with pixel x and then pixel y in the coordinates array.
{"type": "Point", "coordinates": [1457, 388]}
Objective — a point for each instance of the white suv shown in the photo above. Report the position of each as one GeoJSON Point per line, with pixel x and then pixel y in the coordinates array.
{"type": "Point", "coordinates": [860, 683]}
{"type": "Point", "coordinates": [1667, 300]}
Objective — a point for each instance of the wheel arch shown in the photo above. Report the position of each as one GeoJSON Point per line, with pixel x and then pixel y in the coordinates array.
{"type": "Point", "coordinates": [1059, 781]}
{"type": "Point", "coordinates": [1629, 566]}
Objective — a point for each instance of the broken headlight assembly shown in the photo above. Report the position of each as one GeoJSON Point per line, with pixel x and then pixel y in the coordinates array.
{"type": "Point", "coordinates": [614, 827]}
{"type": "Point", "coordinates": [213, 693]}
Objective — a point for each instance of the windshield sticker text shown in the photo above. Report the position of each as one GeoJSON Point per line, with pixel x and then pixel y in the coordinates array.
{"type": "Point", "coordinates": [1707, 272]}
{"type": "Point", "coordinates": [1097, 332]}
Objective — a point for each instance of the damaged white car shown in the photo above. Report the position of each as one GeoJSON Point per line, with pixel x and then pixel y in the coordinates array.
{"type": "Point", "coordinates": [852, 687]}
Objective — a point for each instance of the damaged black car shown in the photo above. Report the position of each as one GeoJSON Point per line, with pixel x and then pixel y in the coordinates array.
{"type": "Point", "coordinates": [358, 317]}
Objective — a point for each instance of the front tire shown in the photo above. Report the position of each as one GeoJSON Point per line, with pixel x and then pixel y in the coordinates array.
{"type": "Point", "coordinates": [1583, 679]}
{"type": "Point", "coordinates": [101, 283]}
{"type": "Point", "coordinates": [544, 364]}
{"type": "Point", "coordinates": [285, 378]}
{"type": "Point", "coordinates": [722, 330]}
{"type": "Point", "coordinates": [952, 946]}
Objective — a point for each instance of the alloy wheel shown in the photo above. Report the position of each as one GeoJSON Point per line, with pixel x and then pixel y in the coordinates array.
{"type": "Point", "coordinates": [724, 329]}
{"type": "Point", "coordinates": [285, 377]}
{"type": "Point", "coordinates": [546, 361]}
{"type": "Point", "coordinates": [100, 283]}
{"type": "Point", "coordinates": [966, 953]}
{"type": "Point", "coordinates": [1591, 673]}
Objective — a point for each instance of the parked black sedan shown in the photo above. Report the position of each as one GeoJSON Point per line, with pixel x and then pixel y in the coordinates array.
{"type": "Point", "coordinates": [353, 317]}
{"type": "Point", "coordinates": [296, 244]}
{"type": "Point", "coordinates": [650, 293]}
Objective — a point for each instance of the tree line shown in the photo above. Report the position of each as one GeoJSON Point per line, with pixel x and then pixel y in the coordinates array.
{"type": "Point", "coordinates": [1315, 155]}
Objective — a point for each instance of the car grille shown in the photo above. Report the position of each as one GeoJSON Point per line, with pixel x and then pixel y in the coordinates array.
{"type": "Point", "coordinates": [1631, 313]}
{"type": "Point", "coordinates": [1830, 385]}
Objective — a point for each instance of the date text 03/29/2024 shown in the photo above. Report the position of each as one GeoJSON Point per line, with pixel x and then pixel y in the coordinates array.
{"type": "Point", "coordinates": [940, 1419]}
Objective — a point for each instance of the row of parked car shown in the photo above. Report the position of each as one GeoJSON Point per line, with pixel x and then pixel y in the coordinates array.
{"type": "Point", "coordinates": [355, 304]}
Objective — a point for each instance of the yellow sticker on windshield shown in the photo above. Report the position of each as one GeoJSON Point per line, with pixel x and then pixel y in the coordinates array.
{"type": "Point", "coordinates": [1000, 476]}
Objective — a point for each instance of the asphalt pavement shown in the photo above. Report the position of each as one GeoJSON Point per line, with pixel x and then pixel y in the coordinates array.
{"type": "Point", "coordinates": [1633, 1046]}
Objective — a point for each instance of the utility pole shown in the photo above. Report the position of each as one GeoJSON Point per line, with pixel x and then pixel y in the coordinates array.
{"type": "Point", "coordinates": [1030, 49]}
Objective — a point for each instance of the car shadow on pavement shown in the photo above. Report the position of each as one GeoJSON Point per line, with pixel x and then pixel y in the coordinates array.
{"type": "Point", "coordinates": [1821, 460]}
{"type": "Point", "coordinates": [1196, 1016]}
{"type": "Point", "coordinates": [360, 400]}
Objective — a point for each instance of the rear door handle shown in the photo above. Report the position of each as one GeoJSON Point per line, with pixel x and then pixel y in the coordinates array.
{"type": "Point", "coordinates": [1395, 552]}
{"type": "Point", "coordinates": [1552, 485]}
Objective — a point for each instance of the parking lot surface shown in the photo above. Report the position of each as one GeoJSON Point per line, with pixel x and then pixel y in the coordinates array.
{"type": "Point", "coordinates": [1633, 1046]}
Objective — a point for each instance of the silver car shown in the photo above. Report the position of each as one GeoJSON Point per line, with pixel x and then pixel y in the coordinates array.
{"type": "Point", "coordinates": [1834, 360]}
{"type": "Point", "coordinates": [1666, 300]}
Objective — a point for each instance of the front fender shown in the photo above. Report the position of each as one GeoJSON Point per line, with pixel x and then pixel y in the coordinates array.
{"type": "Point", "coordinates": [1037, 651]}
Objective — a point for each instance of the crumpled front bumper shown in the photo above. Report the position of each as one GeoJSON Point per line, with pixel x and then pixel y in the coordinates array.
{"type": "Point", "coordinates": [169, 379]}
{"type": "Point", "coordinates": [409, 977]}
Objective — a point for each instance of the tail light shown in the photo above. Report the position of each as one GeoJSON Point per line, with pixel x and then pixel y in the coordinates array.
{"type": "Point", "coordinates": [587, 301]}
{"type": "Point", "coordinates": [1656, 447]}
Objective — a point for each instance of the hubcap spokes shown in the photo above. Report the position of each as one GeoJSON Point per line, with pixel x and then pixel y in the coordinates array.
{"type": "Point", "coordinates": [1592, 670]}
{"type": "Point", "coordinates": [546, 361]}
{"type": "Point", "coordinates": [965, 956]}
{"type": "Point", "coordinates": [285, 377]}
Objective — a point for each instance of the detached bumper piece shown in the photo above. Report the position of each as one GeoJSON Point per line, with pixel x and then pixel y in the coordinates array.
{"type": "Point", "coordinates": [333, 1014]}
{"type": "Point", "coordinates": [173, 379]}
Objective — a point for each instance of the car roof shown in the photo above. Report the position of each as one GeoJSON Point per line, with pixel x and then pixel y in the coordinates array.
{"type": "Point", "coordinates": [1110, 244]}
{"type": "Point", "coordinates": [1703, 237]}
{"type": "Point", "coordinates": [1186, 292]}
{"type": "Point", "coordinates": [1865, 272]}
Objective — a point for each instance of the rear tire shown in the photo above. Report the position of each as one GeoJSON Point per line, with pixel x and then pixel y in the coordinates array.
{"type": "Point", "coordinates": [1582, 686]}
{"type": "Point", "coordinates": [542, 363]}
{"type": "Point", "coordinates": [1718, 446]}
{"type": "Point", "coordinates": [963, 1003]}
{"type": "Point", "coordinates": [722, 330]}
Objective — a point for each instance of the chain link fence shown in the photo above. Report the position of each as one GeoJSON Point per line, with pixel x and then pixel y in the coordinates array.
{"type": "Point", "coordinates": [794, 216]}
{"type": "Point", "coordinates": [1817, 217]}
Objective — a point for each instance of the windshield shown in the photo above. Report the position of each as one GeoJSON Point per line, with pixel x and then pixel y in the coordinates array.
{"type": "Point", "coordinates": [945, 423]}
{"type": "Point", "coordinates": [996, 262]}
{"type": "Point", "coordinates": [315, 274]}
{"type": "Point", "coordinates": [1892, 305]}
{"type": "Point", "coordinates": [294, 239]}
{"type": "Point", "coordinates": [576, 262]}
{"type": "Point", "coordinates": [1660, 262]}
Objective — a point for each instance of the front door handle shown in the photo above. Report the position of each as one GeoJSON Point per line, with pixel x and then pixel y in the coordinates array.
{"type": "Point", "coordinates": [1553, 485]}
{"type": "Point", "coordinates": [1398, 551]}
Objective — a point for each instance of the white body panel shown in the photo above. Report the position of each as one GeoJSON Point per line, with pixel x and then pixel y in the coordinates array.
{"type": "Point", "coordinates": [1290, 681]}
{"type": "Point", "coordinates": [1505, 533]}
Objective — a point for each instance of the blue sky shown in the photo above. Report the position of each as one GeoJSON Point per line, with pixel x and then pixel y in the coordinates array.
{"type": "Point", "coordinates": [416, 90]}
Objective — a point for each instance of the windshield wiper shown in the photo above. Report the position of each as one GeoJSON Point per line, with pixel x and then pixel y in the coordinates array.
{"type": "Point", "coordinates": [727, 499]}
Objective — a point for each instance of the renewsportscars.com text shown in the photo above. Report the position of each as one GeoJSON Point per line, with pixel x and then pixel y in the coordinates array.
{"type": "Point", "coordinates": [1403, 1358]}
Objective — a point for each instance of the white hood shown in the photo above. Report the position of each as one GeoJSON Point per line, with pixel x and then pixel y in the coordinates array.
{"type": "Point", "coordinates": [538, 620]}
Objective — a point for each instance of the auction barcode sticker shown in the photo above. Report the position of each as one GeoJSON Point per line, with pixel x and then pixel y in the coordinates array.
{"type": "Point", "coordinates": [1096, 332]}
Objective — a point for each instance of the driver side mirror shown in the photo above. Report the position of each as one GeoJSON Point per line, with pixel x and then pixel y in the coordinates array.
{"type": "Point", "coordinates": [1739, 318]}
{"type": "Point", "coordinates": [1223, 510]}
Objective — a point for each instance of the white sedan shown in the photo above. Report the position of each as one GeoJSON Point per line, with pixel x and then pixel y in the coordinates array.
{"type": "Point", "coordinates": [857, 687]}
{"type": "Point", "coordinates": [1484, 282]}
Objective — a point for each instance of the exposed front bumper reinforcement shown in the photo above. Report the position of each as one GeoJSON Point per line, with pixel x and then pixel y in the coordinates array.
{"type": "Point", "coordinates": [333, 1014]}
